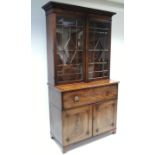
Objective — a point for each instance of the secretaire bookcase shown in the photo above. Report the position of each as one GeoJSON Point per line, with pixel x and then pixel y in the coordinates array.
{"type": "Point", "coordinates": [82, 97]}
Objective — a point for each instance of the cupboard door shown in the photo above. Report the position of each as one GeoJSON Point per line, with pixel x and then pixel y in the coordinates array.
{"type": "Point", "coordinates": [77, 125]}
{"type": "Point", "coordinates": [99, 33]}
{"type": "Point", "coordinates": [104, 117]}
{"type": "Point", "coordinates": [69, 49]}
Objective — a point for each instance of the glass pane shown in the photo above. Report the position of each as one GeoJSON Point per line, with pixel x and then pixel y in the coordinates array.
{"type": "Point", "coordinates": [69, 50]}
{"type": "Point", "coordinates": [66, 21]}
{"type": "Point", "coordinates": [98, 37]}
{"type": "Point", "coordinates": [79, 39]}
{"type": "Point", "coordinates": [98, 50]}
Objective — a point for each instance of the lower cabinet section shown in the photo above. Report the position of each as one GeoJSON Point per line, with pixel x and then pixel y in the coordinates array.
{"type": "Point", "coordinates": [85, 122]}
{"type": "Point", "coordinates": [77, 125]}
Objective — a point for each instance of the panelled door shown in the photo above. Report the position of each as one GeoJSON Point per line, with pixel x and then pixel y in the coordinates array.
{"type": "Point", "coordinates": [104, 117]}
{"type": "Point", "coordinates": [77, 125]}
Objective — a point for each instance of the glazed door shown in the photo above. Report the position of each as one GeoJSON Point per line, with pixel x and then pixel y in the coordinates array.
{"type": "Point", "coordinates": [69, 49]}
{"type": "Point", "coordinates": [98, 49]}
{"type": "Point", "coordinates": [104, 117]}
{"type": "Point", "coordinates": [77, 125]}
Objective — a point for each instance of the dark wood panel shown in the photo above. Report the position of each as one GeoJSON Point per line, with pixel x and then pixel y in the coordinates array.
{"type": "Point", "coordinates": [77, 125]}
{"type": "Point", "coordinates": [50, 24]}
{"type": "Point", "coordinates": [55, 97]}
{"type": "Point", "coordinates": [55, 123]}
{"type": "Point", "coordinates": [104, 117]}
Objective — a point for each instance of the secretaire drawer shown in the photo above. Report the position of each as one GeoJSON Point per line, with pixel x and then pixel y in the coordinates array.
{"type": "Point", "coordinates": [88, 96]}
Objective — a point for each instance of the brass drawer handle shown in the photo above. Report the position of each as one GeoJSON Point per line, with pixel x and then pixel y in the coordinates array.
{"type": "Point", "coordinates": [76, 98]}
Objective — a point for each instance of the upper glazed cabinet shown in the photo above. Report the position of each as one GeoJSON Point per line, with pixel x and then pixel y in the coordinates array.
{"type": "Point", "coordinates": [81, 44]}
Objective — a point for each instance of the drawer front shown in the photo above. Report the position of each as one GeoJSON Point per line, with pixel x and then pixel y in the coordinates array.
{"type": "Point", "coordinates": [88, 96]}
